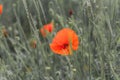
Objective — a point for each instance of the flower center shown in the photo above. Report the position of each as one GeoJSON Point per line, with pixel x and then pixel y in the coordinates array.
{"type": "Point", "coordinates": [65, 46]}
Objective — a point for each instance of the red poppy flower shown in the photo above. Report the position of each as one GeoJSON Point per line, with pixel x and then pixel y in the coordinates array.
{"type": "Point", "coordinates": [1, 9]}
{"type": "Point", "coordinates": [64, 42]}
{"type": "Point", "coordinates": [48, 28]}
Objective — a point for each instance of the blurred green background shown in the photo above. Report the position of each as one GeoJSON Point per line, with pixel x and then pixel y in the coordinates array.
{"type": "Point", "coordinates": [97, 23]}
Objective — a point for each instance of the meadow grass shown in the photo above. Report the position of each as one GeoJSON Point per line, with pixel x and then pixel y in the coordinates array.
{"type": "Point", "coordinates": [97, 23]}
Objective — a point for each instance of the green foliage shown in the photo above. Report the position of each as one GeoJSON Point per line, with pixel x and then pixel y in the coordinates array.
{"type": "Point", "coordinates": [97, 23]}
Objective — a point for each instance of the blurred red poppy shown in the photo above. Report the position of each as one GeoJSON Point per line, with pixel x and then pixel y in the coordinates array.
{"type": "Point", "coordinates": [64, 42]}
{"type": "Point", "coordinates": [1, 9]}
{"type": "Point", "coordinates": [48, 28]}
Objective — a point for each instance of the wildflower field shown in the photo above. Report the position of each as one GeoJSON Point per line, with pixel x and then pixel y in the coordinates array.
{"type": "Point", "coordinates": [59, 39]}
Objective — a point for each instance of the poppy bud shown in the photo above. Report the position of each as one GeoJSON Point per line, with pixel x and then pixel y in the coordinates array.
{"type": "Point", "coordinates": [70, 12]}
{"type": "Point", "coordinates": [33, 43]}
{"type": "Point", "coordinates": [4, 32]}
